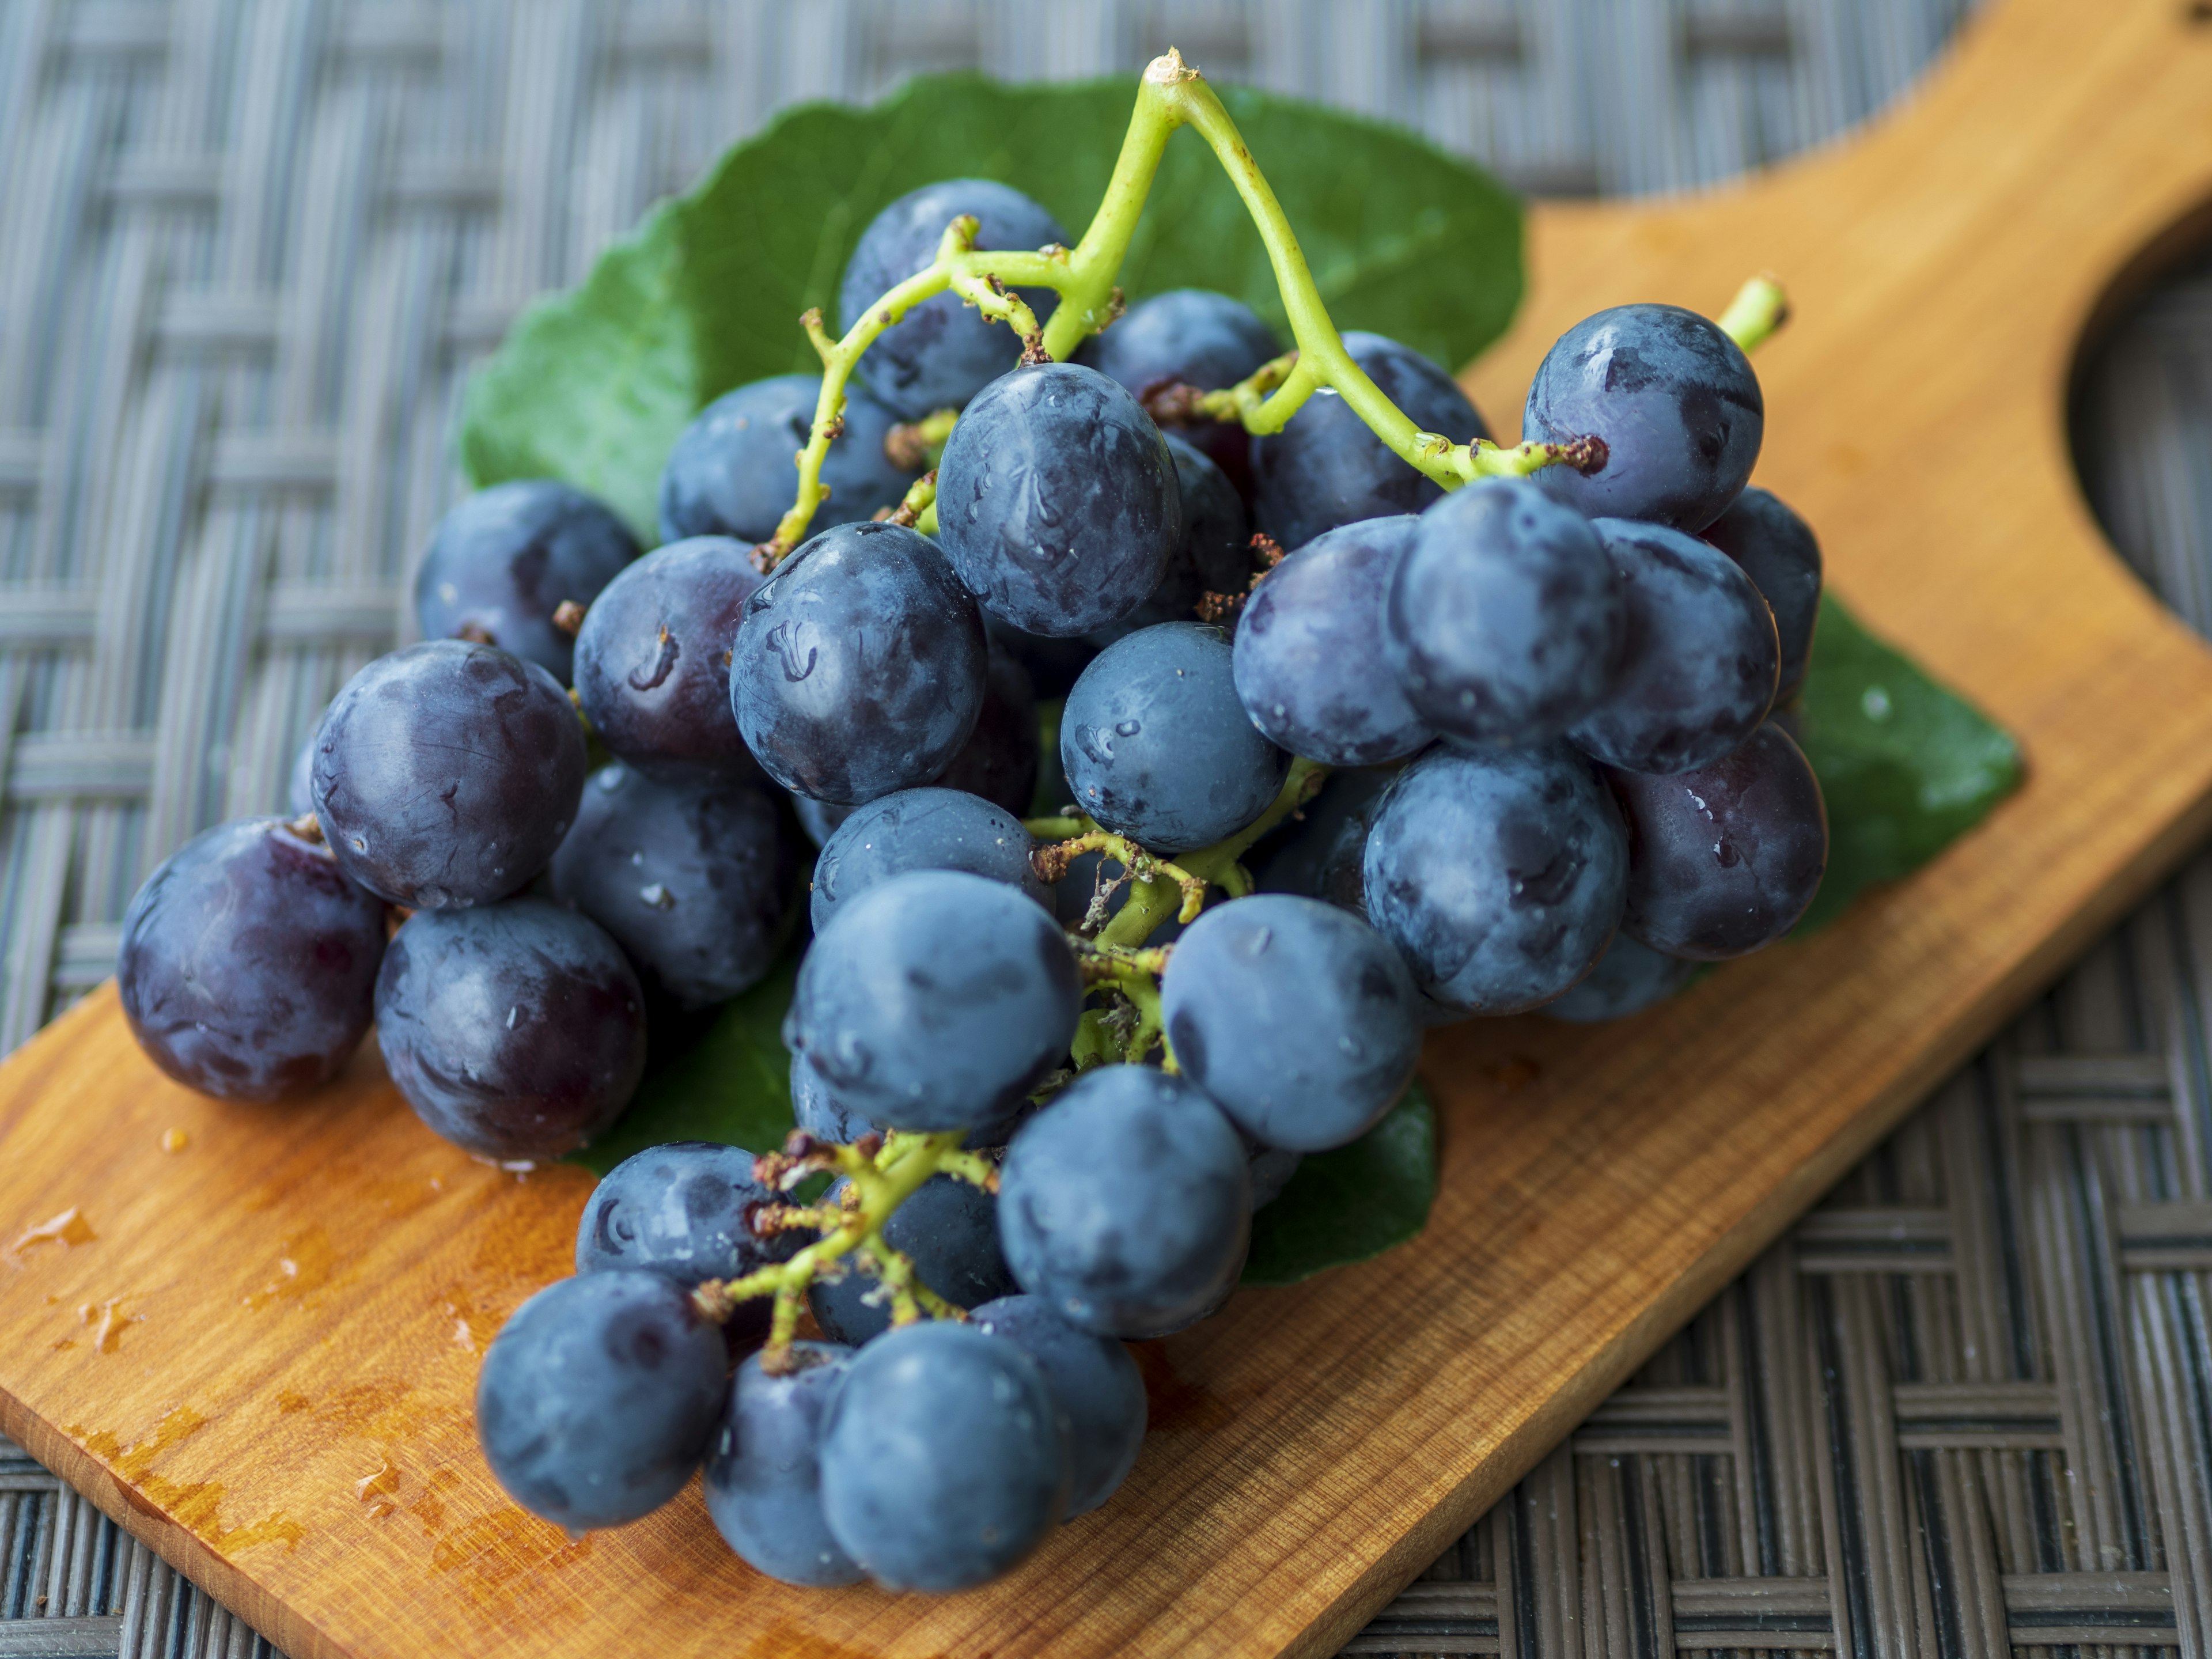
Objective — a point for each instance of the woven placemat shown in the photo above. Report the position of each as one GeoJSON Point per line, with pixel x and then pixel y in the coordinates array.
{"type": "Point", "coordinates": [248, 248]}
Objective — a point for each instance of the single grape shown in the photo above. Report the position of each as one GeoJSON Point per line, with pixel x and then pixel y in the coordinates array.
{"type": "Point", "coordinates": [1499, 874]}
{"type": "Point", "coordinates": [819, 818]}
{"type": "Point", "coordinates": [944, 1457]}
{"type": "Point", "coordinates": [1778, 551]}
{"type": "Point", "coordinates": [599, 1398]}
{"type": "Point", "coordinates": [698, 881]}
{"type": "Point", "coordinates": [942, 352]}
{"type": "Point", "coordinates": [1057, 501]}
{"type": "Point", "coordinates": [1052, 664]}
{"type": "Point", "coordinates": [922, 830]}
{"type": "Point", "coordinates": [731, 473]}
{"type": "Point", "coordinates": [1191, 337]}
{"type": "Point", "coordinates": [765, 1474]}
{"type": "Point", "coordinates": [249, 967]}
{"type": "Point", "coordinates": [999, 760]}
{"type": "Point", "coordinates": [1296, 1017]}
{"type": "Point", "coordinates": [516, 1031]}
{"type": "Point", "coordinates": [1157, 746]}
{"type": "Point", "coordinates": [819, 1112]}
{"type": "Point", "coordinates": [860, 666]}
{"type": "Point", "coordinates": [1271, 1167]}
{"type": "Point", "coordinates": [936, 1000]}
{"type": "Point", "coordinates": [653, 658]}
{"type": "Point", "coordinates": [1126, 1204]}
{"type": "Point", "coordinates": [1213, 557]}
{"type": "Point", "coordinates": [1327, 469]}
{"type": "Point", "coordinates": [1674, 399]}
{"type": "Point", "coordinates": [1310, 650]}
{"type": "Point", "coordinates": [1723, 860]}
{"type": "Point", "coordinates": [1628, 978]}
{"type": "Point", "coordinates": [1696, 673]}
{"type": "Point", "coordinates": [446, 773]}
{"type": "Point", "coordinates": [1094, 1382]}
{"type": "Point", "coordinates": [1320, 854]}
{"type": "Point", "coordinates": [1505, 619]}
{"type": "Point", "coordinates": [950, 1229]}
{"type": "Point", "coordinates": [502, 561]}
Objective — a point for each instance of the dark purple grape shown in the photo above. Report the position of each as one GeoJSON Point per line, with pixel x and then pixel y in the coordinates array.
{"type": "Point", "coordinates": [1156, 746]}
{"type": "Point", "coordinates": [1504, 618]}
{"type": "Point", "coordinates": [860, 666]}
{"type": "Point", "coordinates": [1095, 1381]}
{"type": "Point", "coordinates": [505, 559]}
{"type": "Point", "coordinates": [1723, 860]}
{"type": "Point", "coordinates": [819, 818]}
{"type": "Point", "coordinates": [516, 1031]}
{"type": "Point", "coordinates": [1271, 1167]}
{"type": "Point", "coordinates": [1778, 551]}
{"type": "Point", "coordinates": [653, 658]}
{"type": "Point", "coordinates": [1320, 853]}
{"type": "Point", "coordinates": [731, 472]}
{"type": "Point", "coordinates": [446, 773]}
{"type": "Point", "coordinates": [1215, 554]}
{"type": "Point", "coordinates": [1190, 337]}
{"type": "Point", "coordinates": [819, 1112]}
{"type": "Point", "coordinates": [1696, 671]}
{"type": "Point", "coordinates": [599, 1397]}
{"type": "Point", "coordinates": [1674, 399]}
{"type": "Point", "coordinates": [1327, 469]}
{"type": "Point", "coordinates": [1310, 663]}
{"type": "Point", "coordinates": [999, 760]}
{"type": "Point", "coordinates": [698, 881]}
{"type": "Point", "coordinates": [950, 1229]}
{"type": "Point", "coordinates": [1057, 501]}
{"type": "Point", "coordinates": [1630, 977]}
{"type": "Point", "coordinates": [1498, 873]}
{"type": "Point", "coordinates": [765, 1476]}
{"type": "Point", "coordinates": [942, 352]}
{"type": "Point", "coordinates": [931, 829]}
{"type": "Point", "coordinates": [249, 962]}
{"type": "Point", "coordinates": [1052, 664]}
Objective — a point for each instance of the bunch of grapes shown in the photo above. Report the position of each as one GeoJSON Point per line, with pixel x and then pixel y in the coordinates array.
{"type": "Point", "coordinates": [1519, 745]}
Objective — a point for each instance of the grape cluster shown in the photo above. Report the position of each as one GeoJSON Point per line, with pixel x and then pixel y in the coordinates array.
{"type": "Point", "coordinates": [1052, 1065]}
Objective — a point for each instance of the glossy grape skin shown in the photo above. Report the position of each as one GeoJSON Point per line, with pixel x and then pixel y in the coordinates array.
{"type": "Point", "coordinates": [1157, 746]}
{"type": "Point", "coordinates": [1778, 551]}
{"type": "Point", "coordinates": [697, 881]}
{"type": "Point", "coordinates": [1191, 337]}
{"type": "Point", "coordinates": [652, 659]}
{"type": "Point", "coordinates": [1674, 399]}
{"type": "Point", "coordinates": [1213, 557]}
{"type": "Point", "coordinates": [942, 352]}
{"type": "Point", "coordinates": [249, 962]}
{"type": "Point", "coordinates": [1697, 669]}
{"type": "Point", "coordinates": [1093, 1380]}
{"type": "Point", "coordinates": [1504, 618]}
{"type": "Point", "coordinates": [599, 1398]}
{"type": "Point", "coordinates": [860, 666]}
{"type": "Point", "coordinates": [1057, 501]}
{"type": "Point", "coordinates": [944, 1457]}
{"type": "Point", "coordinates": [1723, 860]}
{"type": "Point", "coordinates": [1499, 874]}
{"type": "Point", "coordinates": [1126, 1204]}
{"type": "Point", "coordinates": [1320, 853]}
{"type": "Point", "coordinates": [504, 560]}
{"type": "Point", "coordinates": [1308, 651]}
{"type": "Point", "coordinates": [1052, 664]}
{"type": "Point", "coordinates": [1326, 468]}
{"type": "Point", "coordinates": [950, 1229]}
{"type": "Point", "coordinates": [516, 1031]}
{"type": "Point", "coordinates": [1630, 977]}
{"type": "Point", "coordinates": [936, 1000]}
{"type": "Point", "coordinates": [763, 1485]}
{"type": "Point", "coordinates": [1296, 1019]}
{"type": "Point", "coordinates": [731, 472]}
{"type": "Point", "coordinates": [922, 830]}
{"type": "Point", "coordinates": [999, 760]}
{"type": "Point", "coordinates": [446, 774]}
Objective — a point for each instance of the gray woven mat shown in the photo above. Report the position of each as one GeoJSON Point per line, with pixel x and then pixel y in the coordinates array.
{"type": "Point", "coordinates": [249, 247]}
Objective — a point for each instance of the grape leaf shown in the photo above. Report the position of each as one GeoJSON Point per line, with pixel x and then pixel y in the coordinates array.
{"type": "Point", "coordinates": [1906, 765]}
{"type": "Point", "coordinates": [1355, 1202]}
{"type": "Point", "coordinates": [592, 386]}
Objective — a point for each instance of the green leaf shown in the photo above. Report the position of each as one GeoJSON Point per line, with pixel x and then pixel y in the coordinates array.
{"type": "Point", "coordinates": [1353, 1203]}
{"type": "Point", "coordinates": [732, 1085]}
{"type": "Point", "coordinates": [593, 385]}
{"type": "Point", "coordinates": [1907, 766]}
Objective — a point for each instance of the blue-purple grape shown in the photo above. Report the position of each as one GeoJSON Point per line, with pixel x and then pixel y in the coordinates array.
{"type": "Point", "coordinates": [1095, 1382]}
{"type": "Point", "coordinates": [1213, 557]}
{"type": "Point", "coordinates": [732, 473]}
{"type": "Point", "coordinates": [1321, 853]}
{"type": "Point", "coordinates": [1190, 337]}
{"type": "Point", "coordinates": [1780, 554]}
{"type": "Point", "coordinates": [763, 1482]}
{"type": "Point", "coordinates": [922, 830]}
{"type": "Point", "coordinates": [515, 1030]}
{"type": "Point", "coordinates": [446, 773]}
{"type": "Point", "coordinates": [1052, 664]}
{"type": "Point", "coordinates": [502, 561]}
{"type": "Point", "coordinates": [999, 760]}
{"type": "Point", "coordinates": [1630, 977]}
{"type": "Point", "coordinates": [1674, 399]}
{"type": "Point", "coordinates": [860, 666]}
{"type": "Point", "coordinates": [949, 1229]}
{"type": "Point", "coordinates": [249, 967]}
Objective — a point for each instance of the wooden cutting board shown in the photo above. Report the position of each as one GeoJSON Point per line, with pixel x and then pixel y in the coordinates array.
{"type": "Point", "coordinates": [250, 1334]}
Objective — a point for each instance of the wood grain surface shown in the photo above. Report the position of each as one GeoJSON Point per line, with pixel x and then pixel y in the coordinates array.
{"type": "Point", "coordinates": [252, 1334]}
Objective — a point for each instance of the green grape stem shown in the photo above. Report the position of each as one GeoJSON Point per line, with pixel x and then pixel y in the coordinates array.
{"type": "Point", "coordinates": [1759, 309]}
